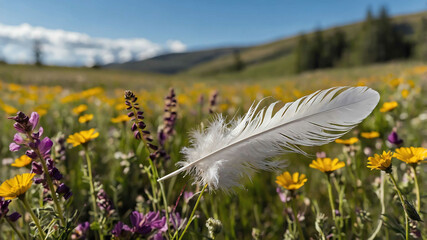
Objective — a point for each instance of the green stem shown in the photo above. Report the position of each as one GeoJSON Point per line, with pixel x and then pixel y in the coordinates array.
{"type": "Point", "coordinates": [14, 228]}
{"type": "Point", "coordinates": [380, 221]}
{"type": "Point", "coordinates": [92, 190]}
{"type": "Point", "coordinates": [193, 212]}
{"type": "Point", "coordinates": [35, 219]}
{"type": "Point", "coordinates": [153, 169]}
{"type": "Point", "coordinates": [331, 201]}
{"type": "Point", "coordinates": [403, 205]}
{"type": "Point", "coordinates": [294, 211]}
{"type": "Point", "coordinates": [165, 202]}
{"type": "Point", "coordinates": [417, 188]}
{"type": "Point", "coordinates": [51, 187]}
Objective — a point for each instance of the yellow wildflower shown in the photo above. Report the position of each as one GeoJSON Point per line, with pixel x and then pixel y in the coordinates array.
{"type": "Point", "coordinates": [85, 118]}
{"type": "Point", "coordinates": [411, 83]}
{"type": "Point", "coordinates": [370, 135]}
{"type": "Point", "coordinates": [380, 162]}
{"type": "Point", "coordinates": [91, 92]}
{"type": "Point", "coordinates": [349, 141]}
{"type": "Point", "coordinates": [405, 93]}
{"type": "Point", "coordinates": [15, 87]}
{"type": "Point", "coordinates": [396, 82]}
{"type": "Point", "coordinates": [82, 137]}
{"type": "Point", "coordinates": [326, 165]}
{"type": "Point", "coordinates": [22, 161]}
{"type": "Point", "coordinates": [79, 109]}
{"type": "Point", "coordinates": [9, 109]}
{"type": "Point", "coordinates": [411, 155]}
{"type": "Point", "coordinates": [120, 118]}
{"type": "Point", "coordinates": [289, 182]}
{"type": "Point", "coordinates": [16, 186]}
{"type": "Point", "coordinates": [120, 107]}
{"type": "Point", "coordinates": [41, 111]}
{"type": "Point", "coordinates": [388, 106]}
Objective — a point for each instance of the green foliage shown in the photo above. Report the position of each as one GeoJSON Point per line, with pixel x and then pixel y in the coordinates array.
{"type": "Point", "coordinates": [379, 40]}
{"type": "Point", "coordinates": [318, 52]}
{"type": "Point", "coordinates": [421, 40]}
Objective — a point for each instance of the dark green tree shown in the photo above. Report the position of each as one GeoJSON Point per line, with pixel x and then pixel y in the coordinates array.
{"type": "Point", "coordinates": [239, 65]}
{"type": "Point", "coordinates": [315, 50]}
{"type": "Point", "coordinates": [334, 48]}
{"type": "Point", "coordinates": [379, 40]}
{"type": "Point", "coordinates": [421, 40]}
{"type": "Point", "coordinates": [301, 54]}
{"type": "Point", "coordinates": [37, 50]}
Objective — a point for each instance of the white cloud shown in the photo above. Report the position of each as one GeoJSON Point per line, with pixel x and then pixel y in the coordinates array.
{"type": "Point", "coordinates": [176, 46]}
{"type": "Point", "coordinates": [61, 47]}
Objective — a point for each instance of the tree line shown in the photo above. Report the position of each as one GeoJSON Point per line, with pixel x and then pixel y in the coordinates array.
{"type": "Point", "coordinates": [378, 40]}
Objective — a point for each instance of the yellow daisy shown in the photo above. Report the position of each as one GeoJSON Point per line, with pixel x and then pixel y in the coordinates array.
{"type": "Point", "coordinates": [289, 182]}
{"type": "Point", "coordinates": [388, 106]}
{"type": "Point", "coordinates": [405, 93]}
{"type": "Point", "coordinates": [85, 118]}
{"type": "Point", "coordinates": [22, 161]}
{"type": "Point", "coordinates": [381, 162]}
{"type": "Point", "coordinates": [9, 109]}
{"type": "Point", "coordinates": [79, 109]}
{"type": "Point", "coordinates": [411, 155]}
{"type": "Point", "coordinates": [349, 141]}
{"type": "Point", "coordinates": [82, 137]}
{"type": "Point", "coordinates": [16, 186]}
{"type": "Point", "coordinates": [370, 135]}
{"type": "Point", "coordinates": [120, 118]}
{"type": "Point", "coordinates": [326, 165]}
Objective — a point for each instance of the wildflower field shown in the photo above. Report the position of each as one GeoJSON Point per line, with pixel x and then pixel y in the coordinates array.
{"type": "Point", "coordinates": [82, 151]}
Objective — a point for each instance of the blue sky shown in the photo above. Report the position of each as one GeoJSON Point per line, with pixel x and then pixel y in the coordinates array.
{"type": "Point", "coordinates": [196, 24]}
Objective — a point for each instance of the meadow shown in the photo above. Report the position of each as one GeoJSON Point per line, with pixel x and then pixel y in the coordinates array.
{"type": "Point", "coordinates": [102, 183]}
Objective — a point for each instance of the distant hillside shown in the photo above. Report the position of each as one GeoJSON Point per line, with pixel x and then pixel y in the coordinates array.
{"type": "Point", "coordinates": [270, 59]}
{"type": "Point", "coordinates": [174, 62]}
{"type": "Point", "coordinates": [275, 58]}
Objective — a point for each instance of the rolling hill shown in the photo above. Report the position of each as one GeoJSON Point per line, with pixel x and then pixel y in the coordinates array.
{"type": "Point", "coordinates": [269, 59]}
{"type": "Point", "coordinates": [174, 62]}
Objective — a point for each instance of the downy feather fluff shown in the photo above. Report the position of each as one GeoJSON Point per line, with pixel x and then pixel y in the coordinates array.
{"type": "Point", "coordinates": [225, 152]}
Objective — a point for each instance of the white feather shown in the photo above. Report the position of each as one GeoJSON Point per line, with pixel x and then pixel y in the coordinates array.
{"type": "Point", "coordinates": [225, 152]}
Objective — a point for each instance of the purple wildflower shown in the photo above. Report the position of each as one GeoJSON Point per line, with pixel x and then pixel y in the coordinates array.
{"type": "Point", "coordinates": [18, 139]}
{"type": "Point", "coordinates": [37, 149]}
{"type": "Point", "coordinates": [104, 203]}
{"type": "Point", "coordinates": [14, 217]}
{"type": "Point", "coordinates": [176, 220]}
{"type": "Point", "coordinates": [138, 126]}
{"type": "Point", "coordinates": [34, 120]}
{"type": "Point", "coordinates": [80, 231]}
{"type": "Point", "coordinates": [45, 147]}
{"type": "Point", "coordinates": [213, 102]}
{"type": "Point", "coordinates": [63, 189]}
{"type": "Point", "coordinates": [169, 117]}
{"type": "Point", "coordinates": [60, 148]}
{"type": "Point", "coordinates": [36, 168]}
{"type": "Point", "coordinates": [321, 155]}
{"type": "Point", "coordinates": [121, 230]}
{"type": "Point", "coordinates": [4, 209]}
{"type": "Point", "coordinates": [282, 195]}
{"type": "Point", "coordinates": [393, 138]}
{"type": "Point", "coordinates": [13, 147]}
{"type": "Point", "coordinates": [145, 224]}
{"type": "Point", "coordinates": [188, 196]}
